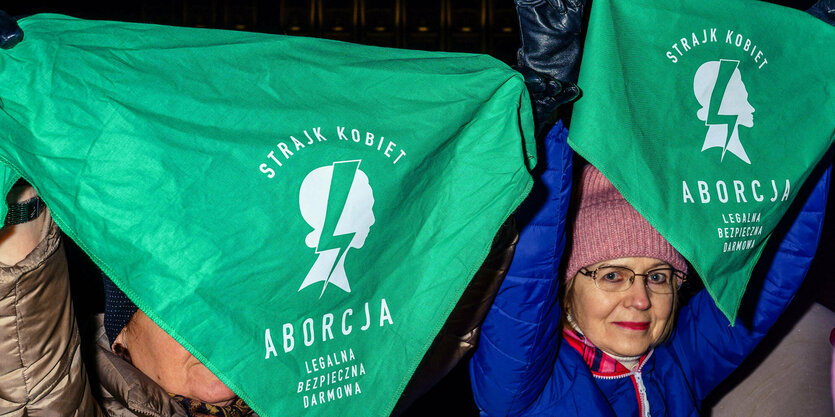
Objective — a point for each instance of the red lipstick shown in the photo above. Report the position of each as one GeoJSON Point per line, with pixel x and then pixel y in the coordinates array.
{"type": "Point", "coordinates": [633, 325]}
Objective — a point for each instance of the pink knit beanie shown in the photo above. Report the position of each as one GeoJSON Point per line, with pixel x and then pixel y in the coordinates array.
{"type": "Point", "coordinates": [607, 227]}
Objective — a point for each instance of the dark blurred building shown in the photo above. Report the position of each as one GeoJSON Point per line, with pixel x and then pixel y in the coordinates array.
{"type": "Point", "coordinates": [482, 26]}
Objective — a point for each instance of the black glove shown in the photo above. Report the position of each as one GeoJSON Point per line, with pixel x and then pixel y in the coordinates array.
{"type": "Point", "coordinates": [824, 10]}
{"type": "Point", "coordinates": [10, 33]}
{"type": "Point", "coordinates": [549, 54]}
{"type": "Point", "coordinates": [550, 32]}
{"type": "Point", "coordinates": [547, 94]}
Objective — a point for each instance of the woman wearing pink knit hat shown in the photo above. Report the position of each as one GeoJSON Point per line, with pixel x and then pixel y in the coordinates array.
{"type": "Point", "coordinates": [614, 251]}
{"type": "Point", "coordinates": [606, 336]}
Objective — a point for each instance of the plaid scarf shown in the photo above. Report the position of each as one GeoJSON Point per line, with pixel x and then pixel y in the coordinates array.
{"type": "Point", "coordinates": [598, 361]}
{"type": "Point", "coordinates": [196, 408]}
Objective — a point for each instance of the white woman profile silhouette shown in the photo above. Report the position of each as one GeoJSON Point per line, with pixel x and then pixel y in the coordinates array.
{"type": "Point", "coordinates": [719, 89]}
{"type": "Point", "coordinates": [336, 201]}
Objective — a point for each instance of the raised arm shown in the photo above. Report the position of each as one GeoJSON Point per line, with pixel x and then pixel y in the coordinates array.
{"type": "Point", "coordinates": [40, 357]}
{"type": "Point", "coordinates": [520, 335]}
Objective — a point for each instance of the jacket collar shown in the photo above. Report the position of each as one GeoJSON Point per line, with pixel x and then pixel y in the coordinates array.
{"type": "Point", "coordinates": [125, 390]}
{"type": "Point", "coordinates": [600, 363]}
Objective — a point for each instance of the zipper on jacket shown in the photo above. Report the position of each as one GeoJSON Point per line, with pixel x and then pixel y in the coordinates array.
{"type": "Point", "coordinates": [637, 382]}
{"type": "Point", "coordinates": [643, 403]}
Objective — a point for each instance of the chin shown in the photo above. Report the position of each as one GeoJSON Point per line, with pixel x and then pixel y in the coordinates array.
{"type": "Point", "coordinates": [632, 349]}
{"type": "Point", "coordinates": [204, 386]}
{"type": "Point", "coordinates": [631, 352]}
{"type": "Point", "coordinates": [215, 393]}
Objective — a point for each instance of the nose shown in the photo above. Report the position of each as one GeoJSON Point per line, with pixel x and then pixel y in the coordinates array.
{"type": "Point", "coordinates": [637, 296]}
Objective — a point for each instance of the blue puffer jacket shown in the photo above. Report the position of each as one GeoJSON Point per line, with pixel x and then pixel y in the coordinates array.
{"type": "Point", "coordinates": [520, 367]}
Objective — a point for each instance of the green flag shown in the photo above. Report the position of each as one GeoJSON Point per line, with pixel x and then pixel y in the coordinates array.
{"type": "Point", "coordinates": [707, 116]}
{"type": "Point", "coordinates": [301, 214]}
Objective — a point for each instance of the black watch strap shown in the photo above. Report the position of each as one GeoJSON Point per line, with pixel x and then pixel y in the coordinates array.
{"type": "Point", "coordinates": [24, 212]}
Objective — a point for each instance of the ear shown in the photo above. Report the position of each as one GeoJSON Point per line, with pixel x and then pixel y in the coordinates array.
{"type": "Point", "coordinates": [120, 347]}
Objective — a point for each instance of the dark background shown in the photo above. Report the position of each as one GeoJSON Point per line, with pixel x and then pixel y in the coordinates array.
{"type": "Point", "coordinates": [483, 26]}
{"type": "Point", "coordinates": [486, 26]}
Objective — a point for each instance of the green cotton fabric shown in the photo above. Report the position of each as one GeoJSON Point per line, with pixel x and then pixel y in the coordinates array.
{"type": "Point", "coordinates": [301, 214]}
{"type": "Point", "coordinates": [708, 116]}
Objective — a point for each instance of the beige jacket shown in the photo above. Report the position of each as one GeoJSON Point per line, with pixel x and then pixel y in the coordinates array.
{"type": "Point", "coordinates": [42, 372]}
{"type": "Point", "coordinates": [41, 369]}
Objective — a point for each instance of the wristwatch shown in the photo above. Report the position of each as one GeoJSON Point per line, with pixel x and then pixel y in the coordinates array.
{"type": "Point", "coordinates": [24, 212]}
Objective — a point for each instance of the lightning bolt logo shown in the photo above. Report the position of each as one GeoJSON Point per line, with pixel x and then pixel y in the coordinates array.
{"type": "Point", "coordinates": [341, 181]}
{"type": "Point", "coordinates": [723, 78]}
{"type": "Point", "coordinates": [337, 201]}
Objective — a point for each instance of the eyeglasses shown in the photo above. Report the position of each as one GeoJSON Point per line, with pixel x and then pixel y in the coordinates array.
{"type": "Point", "coordinates": [620, 278]}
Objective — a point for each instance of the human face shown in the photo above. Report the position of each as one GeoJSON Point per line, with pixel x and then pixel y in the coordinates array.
{"type": "Point", "coordinates": [151, 350]}
{"type": "Point", "coordinates": [623, 323]}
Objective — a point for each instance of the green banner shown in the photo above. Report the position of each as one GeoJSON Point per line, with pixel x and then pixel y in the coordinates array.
{"type": "Point", "coordinates": [707, 116]}
{"type": "Point", "coordinates": [301, 214]}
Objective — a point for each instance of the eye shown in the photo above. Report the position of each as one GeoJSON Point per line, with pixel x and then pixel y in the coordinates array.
{"type": "Point", "coordinates": [659, 277]}
{"type": "Point", "coordinates": [612, 276]}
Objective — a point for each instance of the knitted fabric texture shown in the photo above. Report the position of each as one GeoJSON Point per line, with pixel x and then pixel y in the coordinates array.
{"type": "Point", "coordinates": [118, 309]}
{"type": "Point", "coordinates": [607, 227]}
